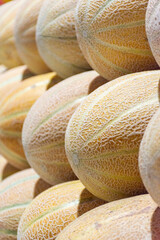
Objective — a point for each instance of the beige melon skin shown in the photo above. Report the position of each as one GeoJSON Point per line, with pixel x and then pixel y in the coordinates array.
{"type": "Point", "coordinates": [50, 212]}
{"type": "Point", "coordinates": [104, 134]}
{"type": "Point", "coordinates": [112, 37]}
{"type": "Point", "coordinates": [8, 53]}
{"type": "Point", "coordinates": [135, 218]}
{"type": "Point", "coordinates": [6, 169]}
{"type": "Point", "coordinates": [25, 31]}
{"type": "Point", "coordinates": [44, 128]}
{"type": "Point", "coordinates": [16, 193]}
{"type": "Point", "coordinates": [153, 27]}
{"type": "Point", "coordinates": [13, 111]}
{"type": "Point", "coordinates": [149, 157]}
{"type": "Point", "coordinates": [56, 38]}
{"type": "Point", "coordinates": [10, 78]}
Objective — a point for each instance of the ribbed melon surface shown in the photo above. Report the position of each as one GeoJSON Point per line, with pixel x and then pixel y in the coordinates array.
{"type": "Point", "coordinates": [135, 218]}
{"type": "Point", "coordinates": [6, 169]}
{"type": "Point", "coordinates": [153, 27]}
{"type": "Point", "coordinates": [24, 32]}
{"type": "Point", "coordinates": [8, 53]}
{"type": "Point", "coordinates": [54, 209]}
{"type": "Point", "coordinates": [44, 128]}
{"type": "Point", "coordinates": [16, 193]}
{"type": "Point", "coordinates": [112, 37]}
{"type": "Point", "coordinates": [13, 110]}
{"type": "Point", "coordinates": [10, 78]}
{"type": "Point", "coordinates": [104, 134]}
{"type": "Point", "coordinates": [56, 38]}
{"type": "Point", "coordinates": [149, 157]}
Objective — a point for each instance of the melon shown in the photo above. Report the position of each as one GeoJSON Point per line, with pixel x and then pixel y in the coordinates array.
{"type": "Point", "coordinates": [153, 27]}
{"type": "Point", "coordinates": [56, 38]}
{"type": "Point", "coordinates": [54, 209]}
{"type": "Point", "coordinates": [25, 30]}
{"type": "Point", "coordinates": [6, 169]}
{"type": "Point", "coordinates": [16, 193]}
{"type": "Point", "coordinates": [8, 53]}
{"type": "Point", "coordinates": [10, 78]}
{"type": "Point", "coordinates": [149, 157]}
{"type": "Point", "coordinates": [44, 128]}
{"type": "Point", "coordinates": [111, 35]}
{"type": "Point", "coordinates": [104, 134]}
{"type": "Point", "coordinates": [131, 218]}
{"type": "Point", "coordinates": [2, 69]}
{"type": "Point", "coordinates": [13, 110]}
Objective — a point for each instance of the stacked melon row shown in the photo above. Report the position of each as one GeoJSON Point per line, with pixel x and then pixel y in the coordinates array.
{"type": "Point", "coordinates": [89, 141]}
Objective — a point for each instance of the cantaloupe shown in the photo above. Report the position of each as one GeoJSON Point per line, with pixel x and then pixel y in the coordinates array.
{"type": "Point", "coordinates": [153, 27]}
{"type": "Point", "coordinates": [44, 128]}
{"type": "Point", "coordinates": [8, 53]}
{"type": "Point", "coordinates": [104, 134]}
{"type": "Point", "coordinates": [50, 212]}
{"type": "Point", "coordinates": [10, 78]}
{"type": "Point", "coordinates": [25, 30]}
{"type": "Point", "coordinates": [2, 69]}
{"type": "Point", "coordinates": [6, 169]}
{"type": "Point", "coordinates": [135, 218]}
{"type": "Point", "coordinates": [56, 38]}
{"type": "Point", "coordinates": [149, 157]}
{"type": "Point", "coordinates": [111, 35]}
{"type": "Point", "coordinates": [13, 110]}
{"type": "Point", "coordinates": [16, 193]}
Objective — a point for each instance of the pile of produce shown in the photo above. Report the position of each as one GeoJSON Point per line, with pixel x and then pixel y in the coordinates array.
{"type": "Point", "coordinates": [80, 120]}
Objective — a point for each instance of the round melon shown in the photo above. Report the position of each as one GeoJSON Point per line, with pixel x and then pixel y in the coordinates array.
{"type": "Point", "coordinates": [13, 111]}
{"type": "Point", "coordinates": [112, 36]}
{"type": "Point", "coordinates": [6, 169]}
{"type": "Point", "coordinates": [44, 129]}
{"type": "Point", "coordinates": [50, 212]}
{"type": "Point", "coordinates": [25, 30]}
{"type": "Point", "coordinates": [56, 38]}
{"type": "Point", "coordinates": [153, 27]}
{"type": "Point", "coordinates": [149, 157]}
{"type": "Point", "coordinates": [8, 53]}
{"type": "Point", "coordinates": [132, 218]}
{"type": "Point", "coordinates": [104, 134]}
{"type": "Point", "coordinates": [10, 78]}
{"type": "Point", "coordinates": [16, 193]}
{"type": "Point", "coordinates": [2, 69]}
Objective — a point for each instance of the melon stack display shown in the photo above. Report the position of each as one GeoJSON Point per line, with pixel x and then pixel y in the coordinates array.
{"type": "Point", "coordinates": [80, 108]}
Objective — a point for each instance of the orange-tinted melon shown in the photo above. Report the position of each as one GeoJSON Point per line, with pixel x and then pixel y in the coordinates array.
{"type": "Point", "coordinates": [136, 218]}
{"type": "Point", "coordinates": [44, 128]}
{"type": "Point", "coordinates": [50, 212]}
{"type": "Point", "coordinates": [16, 193]}
{"type": "Point", "coordinates": [56, 38]}
{"type": "Point", "coordinates": [8, 53]}
{"type": "Point", "coordinates": [104, 134]}
{"type": "Point", "coordinates": [13, 111]}
{"type": "Point", "coordinates": [25, 30]}
{"type": "Point", "coordinates": [6, 169]}
{"type": "Point", "coordinates": [112, 37]}
{"type": "Point", "coordinates": [149, 157]}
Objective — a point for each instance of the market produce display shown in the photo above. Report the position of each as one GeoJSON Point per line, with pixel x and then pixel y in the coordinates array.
{"type": "Point", "coordinates": [8, 52]}
{"type": "Point", "coordinates": [13, 111]}
{"type": "Point", "coordinates": [16, 192]}
{"type": "Point", "coordinates": [79, 120]}
{"type": "Point", "coordinates": [25, 30]}
{"type": "Point", "coordinates": [51, 211]}
{"type": "Point", "coordinates": [44, 129]}
{"type": "Point", "coordinates": [56, 38]}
